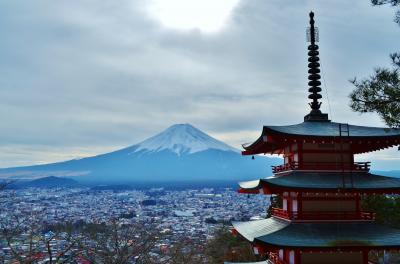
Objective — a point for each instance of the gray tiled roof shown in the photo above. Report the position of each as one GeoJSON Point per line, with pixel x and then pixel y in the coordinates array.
{"type": "Point", "coordinates": [259, 262]}
{"type": "Point", "coordinates": [320, 235]}
{"type": "Point", "coordinates": [334, 235]}
{"type": "Point", "coordinates": [327, 180]}
{"type": "Point", "coordinates": [332, 129]}
{"type": "Point", "coordinates": [253, 229]}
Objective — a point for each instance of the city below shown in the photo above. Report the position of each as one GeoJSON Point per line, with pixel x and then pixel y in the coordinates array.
{"type": "Point", "coordinates": [178, 214]}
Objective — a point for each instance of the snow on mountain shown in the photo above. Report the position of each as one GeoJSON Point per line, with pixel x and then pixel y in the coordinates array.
{"type": "Point", "coordinates": [180, 153]}
{"type": "Point", "coordinates": [182, 139]}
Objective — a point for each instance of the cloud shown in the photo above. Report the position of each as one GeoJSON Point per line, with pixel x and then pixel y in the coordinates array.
{"type": "Point", "coordinates": [205, 15]}
{"type": "Point", "coordinates": [99, 75]}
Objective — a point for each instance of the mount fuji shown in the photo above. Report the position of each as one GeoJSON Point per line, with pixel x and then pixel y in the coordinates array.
{"type": "Point", "coordinates": [179, 153]}
{"type": "Point", "coordinates": [182, 139]}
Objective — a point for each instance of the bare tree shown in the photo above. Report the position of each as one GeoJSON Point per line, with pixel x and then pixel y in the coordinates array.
{"type": "Point", "coordinates": [27, 241]}
{"type": "Point", "coordinates": [187, 250]}
{"type": "Point", "coordinates": [117, 243]}
{"type": "Point", "coordinates": [226, 247]}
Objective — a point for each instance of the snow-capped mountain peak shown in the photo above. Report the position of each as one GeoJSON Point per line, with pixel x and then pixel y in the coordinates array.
{"type": "Point", "coordinates": [182, 138]}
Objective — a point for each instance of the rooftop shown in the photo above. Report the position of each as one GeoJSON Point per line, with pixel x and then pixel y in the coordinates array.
{"type": "Point", "coordinates": [332, 129]}
{"type": "Point", "coordinates": [274, 232]}
{"type": "Point", "coordinates": [362, 139]}
{"type": "Point", "coordinates": [318, 181]}
{"type": "Point", "coordinates": [259, 262]}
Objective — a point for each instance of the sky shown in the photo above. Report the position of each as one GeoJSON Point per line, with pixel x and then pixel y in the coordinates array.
{"type": "Point", "coordinates": [80, 78]}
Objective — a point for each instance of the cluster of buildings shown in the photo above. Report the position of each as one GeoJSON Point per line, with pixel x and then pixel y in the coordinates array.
{"type": "Point", "coordinates": [176, 213]}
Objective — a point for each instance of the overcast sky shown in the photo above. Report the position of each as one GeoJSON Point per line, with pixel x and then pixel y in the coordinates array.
{"type": "Point", "coordinates": [79, 78]}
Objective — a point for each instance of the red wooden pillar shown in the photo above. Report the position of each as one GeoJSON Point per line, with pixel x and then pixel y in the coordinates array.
{"type": "Point", "coordinates": [358, 204]}
{"type": "Point", "coordinates": [351, 157]}
{"type": "Point", "coordinates": [365, 256]}
{"type": "Point", "coordinates": [300, 153]}
{"type": "Point", "coordinates": [297, 257]}
{"type": "Point", "coordinates": [300, 205]}
{"type": "Point", "coordinates": [286, 255]}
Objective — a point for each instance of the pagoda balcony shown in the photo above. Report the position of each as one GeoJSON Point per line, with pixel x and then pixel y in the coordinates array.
{"type": "Point", "coordinates": [274, 258]}
{"type": "Point", "coordinates": [323, 215]}
{"type": "Point", "coordinates": [323, 166]}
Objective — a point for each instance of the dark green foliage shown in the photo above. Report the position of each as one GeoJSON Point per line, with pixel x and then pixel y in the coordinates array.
{"type": "Point", "coordinates": [395, 59]}
{"type": "Point", "coordinates": [226, 247]}
{"type": "Point", "coordinates": [380, 92]}
{"type": "Point", "coordinates": [390, 2]}
{"type": "Point", "coordinates": [383, 2]}
{"type": "Point", "coordinates": [211, 220]}
{"type": "Point", "coordinates": [186, 250]}
{"type": "Point", "coordinates": [387, 208]}
{"type": "Point", "coordinates": [129, 215]}
{"type": "Point", "coordinates": [276, 202]}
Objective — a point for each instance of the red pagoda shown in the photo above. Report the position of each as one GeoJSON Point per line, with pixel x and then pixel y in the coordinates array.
{"type": "Point", "coordinates": [321, 219]}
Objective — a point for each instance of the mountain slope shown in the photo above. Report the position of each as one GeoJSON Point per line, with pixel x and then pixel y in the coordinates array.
{"type": "Point", "coordinates": [180, 153]}
{"type": "Point", "coordinates": [391, 173]}
{"type": "Point", "coordinates": [46, 182]}
{"type": "Point", "coordinates": [182, 139]}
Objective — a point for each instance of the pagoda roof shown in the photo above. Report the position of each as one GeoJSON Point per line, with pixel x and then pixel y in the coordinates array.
{"type": "Point", "coordinates": [322, 181]}
{"type": "Point", "coordinates": [258, 262]}
{"type": "Point", "coordinates": [253, 229]}
{"type": "Point", "coordinates": [274, 232]}
{"type": "Point", "coordinates": [274, 138]}
{"type": "Point", "coordinates": [332, 129]}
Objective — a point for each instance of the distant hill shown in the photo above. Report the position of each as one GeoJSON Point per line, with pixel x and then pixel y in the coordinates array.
{"type": "Point", "coordinates": [46, 182]}
{"type": "Point", "coordinates": [180, 153]}
{"type": "Point", "coordinates": [392, 173]}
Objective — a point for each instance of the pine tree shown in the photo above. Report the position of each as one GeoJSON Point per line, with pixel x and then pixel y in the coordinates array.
{"type": "Point", "coordinates": [380, 92]}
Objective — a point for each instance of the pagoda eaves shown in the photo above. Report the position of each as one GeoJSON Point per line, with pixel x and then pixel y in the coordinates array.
{"type": "Point", "coordinates": [324, 182]}
{"type": "Point", "coordinates": [362, 139]}
{"type": "Point", "coordinates": [320, 217]}
{"type": "Point", "coordinates": [274, 233]}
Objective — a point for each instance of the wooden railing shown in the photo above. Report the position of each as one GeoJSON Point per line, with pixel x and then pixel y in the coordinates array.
{"type": "Point", "coordinates": [356, 166]}
{"type": "Point", "coordinates": [275, 258]}
{"type": "Point", "coordinates": [281, 213]}
{"type": "Point", "coordinates": [324, 215]}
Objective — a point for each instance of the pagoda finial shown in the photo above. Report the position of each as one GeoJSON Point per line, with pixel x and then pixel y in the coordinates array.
{"type": "Point", "coordinates": [314, 74]}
